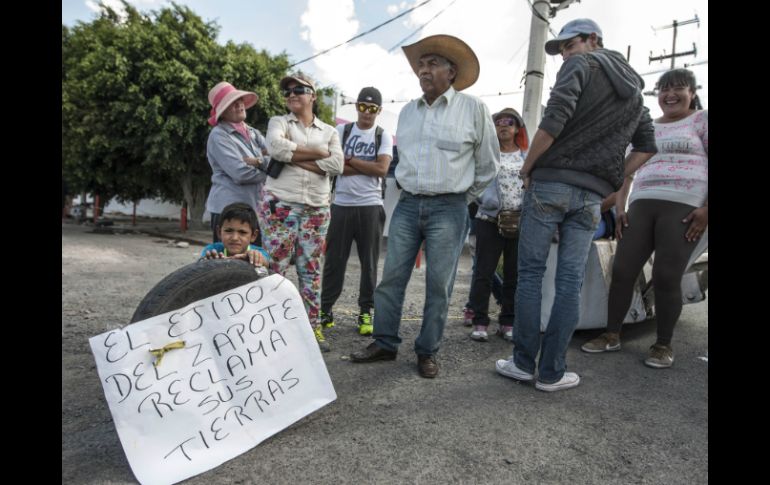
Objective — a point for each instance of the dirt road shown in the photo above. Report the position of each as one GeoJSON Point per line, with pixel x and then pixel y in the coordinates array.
{"type": "Point", "coordinates": [625, 423]}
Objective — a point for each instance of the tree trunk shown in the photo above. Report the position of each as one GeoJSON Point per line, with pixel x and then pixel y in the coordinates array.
{"type": "Point", "coordinates": [195, 196]}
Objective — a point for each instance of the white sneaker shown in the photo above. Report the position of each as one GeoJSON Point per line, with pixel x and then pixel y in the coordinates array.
{"type": "Point", "coordinates": [568, 380]}
{"type": "Point", "coordinates": [509, 369]}
{"type": "Point", "coordinates": [479, 333]}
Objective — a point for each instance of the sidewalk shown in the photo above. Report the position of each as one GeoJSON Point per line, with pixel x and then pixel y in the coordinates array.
{"type": "Point", "coordinates": [167, 229]}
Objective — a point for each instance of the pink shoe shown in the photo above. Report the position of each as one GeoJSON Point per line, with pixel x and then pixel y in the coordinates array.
{"type": "Point", "coordinates": [506, 331]}
{"type": "Point", "coordinates": [468, 315]}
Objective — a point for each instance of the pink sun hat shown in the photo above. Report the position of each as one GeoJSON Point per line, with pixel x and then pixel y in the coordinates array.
{"type": "Point", "coordinates": [223, 95]}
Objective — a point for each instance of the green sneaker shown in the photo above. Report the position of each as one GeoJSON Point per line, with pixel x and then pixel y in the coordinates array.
{"type": "Point", "coordinates": [327, 319]}
{"type": "Point", "coordinates": [319, 337]}
{"type": "Point", "coordinates": [365, 326]}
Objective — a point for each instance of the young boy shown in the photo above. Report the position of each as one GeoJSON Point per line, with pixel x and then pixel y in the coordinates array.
{"type": "Point", "coordinates": [237, 231]}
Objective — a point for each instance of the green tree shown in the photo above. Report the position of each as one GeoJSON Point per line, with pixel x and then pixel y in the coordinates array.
{"type": "Point", "coordinates": [326, 111]}
{"type": "Point", "coordinates": [134, 102]}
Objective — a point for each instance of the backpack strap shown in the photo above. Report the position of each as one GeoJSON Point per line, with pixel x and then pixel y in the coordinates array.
{"type": "Point", "coordinates": [377, 142]}
{"type": "Point", "coordinates": [345, 134]}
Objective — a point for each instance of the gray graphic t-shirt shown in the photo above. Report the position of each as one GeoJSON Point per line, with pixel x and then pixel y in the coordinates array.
{"type": "Point", "coordinates": [361, 190]}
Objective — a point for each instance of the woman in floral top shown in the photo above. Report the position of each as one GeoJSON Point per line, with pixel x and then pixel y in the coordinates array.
{"type": "Point", "coordinates": [504, 193]}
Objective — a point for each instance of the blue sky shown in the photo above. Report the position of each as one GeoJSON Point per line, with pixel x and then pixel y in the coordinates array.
{"type": "Point", "coordinates": [497, 30]}
{"type": "Point", "coordinates": [272, 25]}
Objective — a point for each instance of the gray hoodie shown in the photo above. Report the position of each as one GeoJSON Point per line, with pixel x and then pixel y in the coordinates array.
{"type": "Point", "coordinates": [622, 77]}
{"type": "Point", "coordinates": [595, 110]}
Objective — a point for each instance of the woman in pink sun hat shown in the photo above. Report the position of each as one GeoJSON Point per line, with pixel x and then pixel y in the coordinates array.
{"type": "Point", "coordinates": [236, 152]}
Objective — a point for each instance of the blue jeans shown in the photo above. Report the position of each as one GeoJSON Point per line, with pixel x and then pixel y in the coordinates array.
{"type": "Point", "coordinates": [575, 211]}
{"type": "Point", "coordinates": [442, 222]}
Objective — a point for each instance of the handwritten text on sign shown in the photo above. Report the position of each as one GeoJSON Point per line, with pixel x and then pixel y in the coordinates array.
{"type": "Point", "coordinates": [250, 367]}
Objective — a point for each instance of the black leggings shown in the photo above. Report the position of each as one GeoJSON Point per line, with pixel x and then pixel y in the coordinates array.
{"type": "Point", "coordinates": [654, 225]}
{"type": "Point", "coordinates": [489, 245]}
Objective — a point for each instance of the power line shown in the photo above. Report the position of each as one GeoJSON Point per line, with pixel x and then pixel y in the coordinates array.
{"type": "Point", "coordinates": [360, 35]}
{"type": "Point", "coordinates": [523, 44]}
{"type": "Point", "coordinates": [419, 28]}
{"type": "Point", "coordinates": [395, 101]}
{"type": "Point", "coordinates": [499, 94]}
{"type": "Point", "coordinates": [658, 71]}
{"type": "Point", "coordinates": [537, 14]}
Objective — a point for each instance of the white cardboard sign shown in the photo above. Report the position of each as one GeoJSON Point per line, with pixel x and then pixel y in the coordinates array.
{"type": "Point", "coordinates": [250, 367]}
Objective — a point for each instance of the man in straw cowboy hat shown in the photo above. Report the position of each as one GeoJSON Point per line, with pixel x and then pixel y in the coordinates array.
{"type": "Point", "coordinates": [448, 154]}
{"type": "Point", "coordinates": [576, 159]}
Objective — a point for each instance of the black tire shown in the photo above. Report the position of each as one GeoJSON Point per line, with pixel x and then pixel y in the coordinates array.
{"type": "Point", "coordinates": [194, 282]}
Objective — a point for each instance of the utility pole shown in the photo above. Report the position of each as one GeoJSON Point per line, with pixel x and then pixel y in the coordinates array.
{"type": "Point", "coordinates": [674, 54]}
{"type": "Point", "coordinates": [533, 84]}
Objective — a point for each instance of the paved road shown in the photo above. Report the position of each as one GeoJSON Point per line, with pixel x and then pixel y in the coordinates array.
{"type": "Point", "coordinates": [625, 423]}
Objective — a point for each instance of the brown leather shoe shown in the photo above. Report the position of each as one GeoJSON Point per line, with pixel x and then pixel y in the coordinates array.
{"type": "Point", "coordinates": [372, 353]}
{"type": "Point", "coordinates": [427, 366]}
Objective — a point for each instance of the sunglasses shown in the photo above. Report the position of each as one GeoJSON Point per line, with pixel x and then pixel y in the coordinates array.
{"type": "Point", "coordinates": [363, 108]}
{"type": "Point", "coordinates": [298, 90]}
{"type": "Point", "coordinates": [505, 122]}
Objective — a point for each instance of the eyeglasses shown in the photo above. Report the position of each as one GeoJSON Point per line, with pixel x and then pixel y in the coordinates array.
{"type": "Point", "coordinates": [298, 90]}
{"type": "Point", "coordinates": [363, 108]}
{"type": "Point", "coordinates": [505, 122]}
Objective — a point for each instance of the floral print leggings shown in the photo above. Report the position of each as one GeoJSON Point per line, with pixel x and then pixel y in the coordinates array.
{"type": "Point", "coordinates": [294, 232]}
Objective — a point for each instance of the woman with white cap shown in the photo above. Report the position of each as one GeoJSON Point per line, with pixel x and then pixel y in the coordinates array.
{"type": "Point", "coordinates": [294, 207]}
{"type": "Point", "coordinates": [236, 152]}
{"type": "Point", "coordinates": [497, 227]}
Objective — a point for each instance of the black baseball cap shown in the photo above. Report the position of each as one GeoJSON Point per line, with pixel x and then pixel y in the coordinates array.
{"type": "Point", "coordinates": [370, 95]}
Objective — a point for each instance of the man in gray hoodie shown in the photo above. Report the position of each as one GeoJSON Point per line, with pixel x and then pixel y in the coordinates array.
{"type": "Point", "coordinates": [577, 158]}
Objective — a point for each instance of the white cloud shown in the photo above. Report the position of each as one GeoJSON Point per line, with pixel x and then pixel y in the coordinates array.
{"type": "Point", "coordinates": [499, 35]}
{"type": "Point", "coordinates": [355, 65]}
{"type": "Point", "coordinates": [394, 9]}
{"type": "Point", "coordinates": [361, 63]}
{"type": "Point", "coordinates": [325, 27]}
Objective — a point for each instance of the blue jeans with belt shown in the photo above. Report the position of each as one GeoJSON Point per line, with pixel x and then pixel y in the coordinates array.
{"type": "Point", "coordinates": [575, 211]}
{"type": "Point", "coordinates": [442, 222]}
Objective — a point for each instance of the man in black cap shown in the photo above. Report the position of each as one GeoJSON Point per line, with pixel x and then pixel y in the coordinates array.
{"type": "Point", "coordinates": [576, 159]}
{"type": "Point", "coordinates": [357, 213]}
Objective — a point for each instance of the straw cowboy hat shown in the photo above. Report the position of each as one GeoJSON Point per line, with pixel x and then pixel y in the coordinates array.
{"type": "Point", "coordinates": [451, 48]}
{"type": "Point", "coordinates": [223, 95]}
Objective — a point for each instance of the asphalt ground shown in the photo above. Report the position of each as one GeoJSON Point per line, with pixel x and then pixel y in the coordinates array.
{"type": "Point", "coordinates": [625, 423]}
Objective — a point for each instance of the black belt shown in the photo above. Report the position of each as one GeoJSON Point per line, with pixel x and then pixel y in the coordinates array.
{"type": "Point", "coordinates": [434, 195]}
